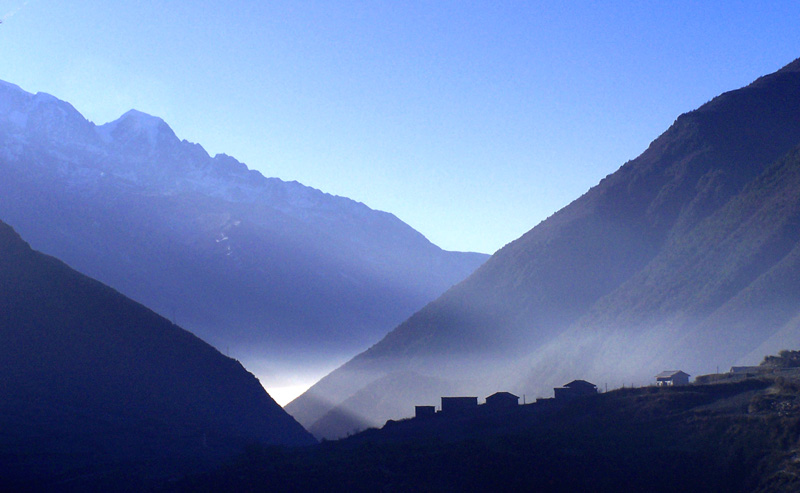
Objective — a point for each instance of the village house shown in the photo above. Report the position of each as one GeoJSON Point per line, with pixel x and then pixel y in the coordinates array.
{"type": "Point", "coordinates": [458, 405]}
{"type": "Point", "coordinates": [424, 411]}
{"type": "Point", "coordinates": [574, 389]}
{"type": "Point", "coordinates": [748, 371]}
{"type": "Point", "coordinates": [502, 400]}
{"type": "Point", "coordinates": [672, 378]}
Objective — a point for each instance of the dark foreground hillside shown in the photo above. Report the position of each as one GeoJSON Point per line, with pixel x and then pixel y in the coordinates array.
{"type": "Point", "coordinates": [99, 393]}
{"type": "Point", "coordinates": [739, 436]}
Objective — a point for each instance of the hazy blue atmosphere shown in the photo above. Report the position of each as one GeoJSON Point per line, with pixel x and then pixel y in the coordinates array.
{"type": "Point", "coordinates": [246, 246]}
{"type": "Point", "coordinates": [472, 122]}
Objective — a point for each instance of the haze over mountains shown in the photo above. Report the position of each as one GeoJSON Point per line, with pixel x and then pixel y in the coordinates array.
{"type": "Point", "coordinates": [686, 257]}
{"type": "Point", "coordinates": [287, 279]}
{"type": "Point", "coordinates": [96, 387]}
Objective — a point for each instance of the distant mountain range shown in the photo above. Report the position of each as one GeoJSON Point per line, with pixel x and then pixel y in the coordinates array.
{"type": "Point", "coordinates": [685, 258]}
{"type": "Point", "coordinates": [97, 389]}
{"type": "Point", "coordinates": [289, 280]}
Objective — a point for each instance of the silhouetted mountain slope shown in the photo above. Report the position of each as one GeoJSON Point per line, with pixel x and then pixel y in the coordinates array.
{"type": "Point", "coordinates": [95, 385]}
{"type": "Point", "coordinates": [647, 269]}
{"type": "Point", "coordinates": [713, 296]}
{"type": "Point", "coordinates": [253, 265]}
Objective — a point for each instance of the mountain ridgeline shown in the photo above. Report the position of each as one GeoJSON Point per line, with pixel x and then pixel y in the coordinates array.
{"type": "Point", "coordinates": [686, 257]}
{"type": "Point", "coordinates": [286, 278]}
{"type": "Point", "coordinates": [96, 387]}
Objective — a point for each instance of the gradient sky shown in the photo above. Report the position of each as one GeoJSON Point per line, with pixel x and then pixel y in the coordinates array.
{"type": "Point", "coordinates": [471, 121]}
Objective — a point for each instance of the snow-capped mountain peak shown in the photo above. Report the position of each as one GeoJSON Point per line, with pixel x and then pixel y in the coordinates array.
{"type": "Point", "coordinates": [240, 259]}
{"type": "Point", "coordinates": [137, 125]}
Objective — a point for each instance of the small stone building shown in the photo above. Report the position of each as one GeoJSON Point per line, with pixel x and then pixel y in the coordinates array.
{"type": "Point", "coordinates": [424, 411]}
{"type": "Point", "coordinates": [458, 405]}
{"type": "Point", "coordinates": [575, 389]}
{"type": "Point", "coordinates": [748, 371]}
{"type": "Point", "coordinates": [502, 400]}
{"type": "Point", "coordinates": [672, 378]}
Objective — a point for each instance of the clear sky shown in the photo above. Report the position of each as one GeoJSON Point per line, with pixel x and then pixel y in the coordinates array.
{"type": "Point", "coordinates": [471, 121]}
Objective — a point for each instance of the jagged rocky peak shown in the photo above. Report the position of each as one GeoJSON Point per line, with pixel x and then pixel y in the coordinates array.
{"type": "Point", "coordinates": [138, 127]}
{"type": "Point", "coordinates": [225, 164]}
{"type": "Point", "coordinates": [42, 115]}
{"type": "Point", "coordinates": [8, 86]}
{"type": "Point", "coordinates": [231, 163]}
{"type": "Point", "coordinates": [11, 96]}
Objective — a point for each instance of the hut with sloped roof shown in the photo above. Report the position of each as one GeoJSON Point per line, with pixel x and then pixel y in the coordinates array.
{"type": "Point", "coordinates": [575, 389]}
{"type": "Point", "coordinates": [672, 378]}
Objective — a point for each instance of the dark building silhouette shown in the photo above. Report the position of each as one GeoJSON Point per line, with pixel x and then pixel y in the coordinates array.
{"type": "Point", "coordinates": [574, 389]}
{"type": "Point", "coordinates": [424, 411]}
{"type": "Point", "coordinates": [459, 405]}
{"type": "Point", "coordinates": [748, 371]}
{"type": "Point", "coordinates": [672, 378]}
{"type": "Point", "coordinates": [502, 400]}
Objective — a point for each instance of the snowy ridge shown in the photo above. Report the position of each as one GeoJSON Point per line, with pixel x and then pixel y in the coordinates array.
{"type": "Point", "coordinates": [136, 124]}
{"type": "Point", "coordinates": [259, 264]}
{"type": "Point", "coordinates": [147, 153]}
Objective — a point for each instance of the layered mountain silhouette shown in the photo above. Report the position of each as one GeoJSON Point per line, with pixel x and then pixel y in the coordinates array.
{"type": "Point", "coordinates": [686, 257]}
{"type": "Point", "coordinates": [97, 388]}
{"type": "Point", "coordinates": [274, 273]}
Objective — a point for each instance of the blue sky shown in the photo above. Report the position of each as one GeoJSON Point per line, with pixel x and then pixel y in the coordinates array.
{"type": "Point", "coordinates": [471, 121]}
